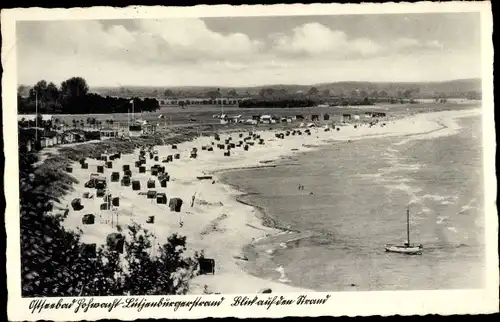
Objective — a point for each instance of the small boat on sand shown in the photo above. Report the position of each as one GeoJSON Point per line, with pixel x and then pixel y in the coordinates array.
{"type": "Point", "coordinates": [406, 248]}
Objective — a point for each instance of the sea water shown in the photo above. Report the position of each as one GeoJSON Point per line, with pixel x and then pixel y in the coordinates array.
{"type": "Point", "coordinates": [354, 201]}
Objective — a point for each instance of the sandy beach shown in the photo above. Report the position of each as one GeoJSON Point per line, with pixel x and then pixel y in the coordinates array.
{"type": "Point", "coordinates": [217, 223]}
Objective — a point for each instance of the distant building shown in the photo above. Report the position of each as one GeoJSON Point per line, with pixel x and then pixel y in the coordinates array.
{"type": "Point", "coordinates": [346, 117]}
{"type": "Point", "coordinates": [266, 119]}
{"type": "Point", "coordinates": [32, 117]}
{"type": "Point", "coordinates": [149, 129]}
{"type": "Point", "coordinates": [109, 132]}
{"type": "Point", "coordinates": [135, 130]}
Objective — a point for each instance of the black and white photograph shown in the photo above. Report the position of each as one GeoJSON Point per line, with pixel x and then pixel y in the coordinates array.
{"type": "Point", "coordinates": [249, 156]}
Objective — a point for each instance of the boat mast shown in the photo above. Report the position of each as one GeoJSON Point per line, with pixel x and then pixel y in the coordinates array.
{"type": "Point", "coordinates": [408, 224]}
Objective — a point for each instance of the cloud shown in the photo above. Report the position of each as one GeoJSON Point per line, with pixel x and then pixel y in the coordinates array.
{"type": "Point", "coordinates": [411, 43]}
{"type": "Point", "coordinates": [314, 39]}
{"type": "Point", "coordinates": [186, 51]}
{"type": "Point", "coordinates": [317, 40]}
{"type": "Point", "coordinates": [152, 41]}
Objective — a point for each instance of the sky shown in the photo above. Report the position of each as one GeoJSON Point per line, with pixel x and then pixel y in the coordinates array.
{"type": "Point", "coordinates": [249, 51]}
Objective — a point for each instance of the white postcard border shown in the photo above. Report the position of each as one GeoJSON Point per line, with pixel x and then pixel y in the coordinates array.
{"type": "Point", "coordinates": [443, 302]}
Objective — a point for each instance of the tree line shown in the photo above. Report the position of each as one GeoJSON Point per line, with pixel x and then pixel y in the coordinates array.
{"type": "Point", "coordinates": [73, 97]}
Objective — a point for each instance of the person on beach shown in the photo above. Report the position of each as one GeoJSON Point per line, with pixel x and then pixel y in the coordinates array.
{"type": "Point", "coordinates": [192, 201]}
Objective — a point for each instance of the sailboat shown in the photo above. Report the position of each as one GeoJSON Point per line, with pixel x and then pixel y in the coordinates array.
{"type": "Point", "coordinates": [407, 248]}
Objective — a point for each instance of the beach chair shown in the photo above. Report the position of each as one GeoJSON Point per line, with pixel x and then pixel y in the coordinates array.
{"type": "Point", "coordinates": [88, 219]}
{"type": "Point", "coordinates": [85, 165]}
{"type": "Point", "coordinates": [100, 169]}
{"type": "Point", "coordinates": [104, 206]}
{"type": "Point", "coordinates": [116, 202]}
{"type": "Point", "coordinates": [76, 204]}
{"type": "Point", "coordinates": [100, 184]}
{"type": "Point", "coordinates": [109, 164]}
{"type": "Point", "coordinates": [161, 198]}
{"type": "Point", "coordinates": [89, 184]}
{"type": "Point", "coordinates": [151, 184]}
{"type": "Point", "coordinates": [136, 185]}
{"type": "Point", "coordinates": [138, 164]}
{"type": "Point", "coordinates": [177, 156]}
{"type": "Point", "coordinates": [69, 169]}
{"type": "Point", "coordinates": [127, 173]}
{"type": "Point", "coordinates": [156, 158]}
{"type": "Point", "coordinates": [227, 153]}
{"type": "Point", "coordinates": [163, 183]}
{"type": "Point", "coordinates": [150, 220]}
{"type": "Point", "coordinates": [151, 194]}
{"type": "Point", "coordinates": [115, 177]}
{"type": "Point", "coordinates": [245, 147]}
{"type": "Point", "coordinates": [142, 169]}
{"type": "Point", "coordinates": [174, 147]}
{"type": "Point", "coordinates": [207, 266]}
{"type": "Point", "coordinates": [175, 204]}
{"type": "Point", "coordinates": [125, 181]}
{"type": "Point", "coordinates": [210, 148]}
{"type": "Point", "coordinates": [100, 193]}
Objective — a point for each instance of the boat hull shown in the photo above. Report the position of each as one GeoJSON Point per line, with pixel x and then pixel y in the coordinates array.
{"type": "Point", "coordinates": [404, 249]}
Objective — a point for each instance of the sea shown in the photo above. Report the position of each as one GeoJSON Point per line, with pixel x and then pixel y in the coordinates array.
{"type": "Point", "coordinates": [354, 201]}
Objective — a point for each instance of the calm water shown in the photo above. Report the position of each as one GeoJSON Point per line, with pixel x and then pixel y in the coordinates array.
{"type": "Point", "coordinates": [354, 202]}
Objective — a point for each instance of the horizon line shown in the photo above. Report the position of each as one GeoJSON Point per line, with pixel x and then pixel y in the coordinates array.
{"type": "Point", "coordinates": [278, 84]}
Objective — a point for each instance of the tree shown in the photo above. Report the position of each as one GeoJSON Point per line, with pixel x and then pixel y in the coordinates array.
{"type": "Point", "coordinates": [232, 93]}
{"type": "Point", "coordinates": [213, 94]}
{"type": "Point", "coordinates": [74, 87]}
{"type": "Point", "coordinates": [22, 89]}
{"type": "Point", "coordinates": [326, 93]}
{"type": "Point", "coordinates": [168, 93]}
{"type": "Point", "coordinates": [313, 91]}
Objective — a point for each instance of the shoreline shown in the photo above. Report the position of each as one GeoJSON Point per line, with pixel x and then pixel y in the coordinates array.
{"type": "Point", "coordinates": [205, 226]}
